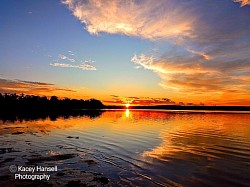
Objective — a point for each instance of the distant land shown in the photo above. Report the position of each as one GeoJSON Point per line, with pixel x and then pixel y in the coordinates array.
{"type": "Point", "coordinates": [15, 107]}
{"type": "Point", "coordinates": [13, 103]}
{"type": "Point", "coordinates": [183, 107]}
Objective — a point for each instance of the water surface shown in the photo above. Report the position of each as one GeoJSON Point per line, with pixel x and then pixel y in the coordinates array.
{"type": "Point", "coordinates": [133, 148]}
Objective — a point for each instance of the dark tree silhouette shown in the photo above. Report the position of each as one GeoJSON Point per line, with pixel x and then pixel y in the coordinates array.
{"type": "Point", "coordinates": [34, 107]}
{"type": "Point", "coordinates": [30, 102]}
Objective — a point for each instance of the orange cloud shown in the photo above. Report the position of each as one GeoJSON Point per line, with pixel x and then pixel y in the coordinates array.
{"type": "Point", "coordinates": [29, 87]}
{"type": "Point", "coordinates": [243, 2]}
{"type": "Point", "coordinates": [146, 101]}
{"type": "Point", "coordinates": [212, 56]}
{"type": "Point", "coordinates": [196, 78]}
{"type": "Point", "coordinates": [147, 19]}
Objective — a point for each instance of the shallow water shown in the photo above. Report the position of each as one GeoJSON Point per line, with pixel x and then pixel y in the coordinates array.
{"type": "Point", "coordinates": [133, 148]}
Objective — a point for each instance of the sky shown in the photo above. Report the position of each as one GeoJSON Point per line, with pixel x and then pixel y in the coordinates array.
{"type": "Point", "coordinates": [142, 52]}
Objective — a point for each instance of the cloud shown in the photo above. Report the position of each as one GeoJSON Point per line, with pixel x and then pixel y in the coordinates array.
{"type": "Point", "coordinates": [202, 46]}
{"type": "Point", "coordinates": [195, 75]}
{"type": "Point", "coordinates": [203, 54]}
{"type": "Point", "coordinates": [83, 66]}
{"type": "Point", "coordinates": [147, 19]}
{"type": "Point", "coordinates": [63, 65]}
{"type": "Point", "coordinates": [71, 53]}
{"type": "Point", "coordinates": [213, 62]}
{"type": "Point", "coordinates": [120, 100]}
{"type": "Point", "coordinates": [196, 79]}
{"type": "Point", "coordinates": [168, 65]}
{"type": "Point", "coordinates": [34, 83]}
{"type": "Point", "coordinates": [29, 87]}
{"type": "Point", "coordinates": [243, 2]}
{"type": "Point", "coordinates": [153, 19]}
{"type": "Point", "coordinates": [63, 57]}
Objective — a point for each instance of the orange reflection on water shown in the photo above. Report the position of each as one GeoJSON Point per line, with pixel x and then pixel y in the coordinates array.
{"type": "Point", "coordinates": [122, 120]}
{"type": "Point", "coordinates": [197, 133]}
{"type": "Point", "coordinates": [127, 113]}
{"type": "Point", "coordinates": [177, 131]}
{"type": "Point", "coordinates": [168, 145]}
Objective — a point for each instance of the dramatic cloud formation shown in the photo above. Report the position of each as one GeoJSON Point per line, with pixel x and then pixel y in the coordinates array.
{"type": "Point", "coordinates": [29, 87]}
{"type": "Point", "coordinates": [196, 76]}
{"type": "Point", "coordinates": [206, 44]}
{"type": "Point", "coordinates": [148, 19]}
{"type": "Point", "coordinates": [215, 62]}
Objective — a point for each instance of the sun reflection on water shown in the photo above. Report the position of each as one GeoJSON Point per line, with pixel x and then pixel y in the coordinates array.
{"type": "Point", "coordinates": [127, 113]}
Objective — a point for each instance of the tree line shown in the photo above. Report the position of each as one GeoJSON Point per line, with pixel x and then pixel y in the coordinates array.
{"type": "Point", "coordinates": [15, 102]}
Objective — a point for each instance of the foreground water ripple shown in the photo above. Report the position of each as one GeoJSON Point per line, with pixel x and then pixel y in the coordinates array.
{"type": "Point", "coordinates": [135, 148]}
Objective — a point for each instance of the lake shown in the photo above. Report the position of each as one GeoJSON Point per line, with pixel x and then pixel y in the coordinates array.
{"type": "Point", "coordinates": [129, 148]}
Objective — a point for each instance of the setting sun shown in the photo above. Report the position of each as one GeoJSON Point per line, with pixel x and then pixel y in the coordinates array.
{"type": "Point", "coordinates": [127, 105]}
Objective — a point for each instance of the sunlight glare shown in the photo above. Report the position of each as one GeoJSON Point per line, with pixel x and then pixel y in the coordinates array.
{"type": "Point", "coordinates": [127, 113]}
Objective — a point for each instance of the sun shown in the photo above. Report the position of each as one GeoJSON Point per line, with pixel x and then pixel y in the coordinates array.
{"type": "Point", "coordinates": [127, 105]}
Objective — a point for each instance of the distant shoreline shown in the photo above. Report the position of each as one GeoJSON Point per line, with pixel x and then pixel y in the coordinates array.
{"type": "Point", "coordinates": [186, 108]}
{"type": "Point", "coordinates": [13, 103]}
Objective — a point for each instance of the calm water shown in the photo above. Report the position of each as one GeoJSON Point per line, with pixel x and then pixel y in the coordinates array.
{"type": "Point", "coordinates": [134, 148]}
